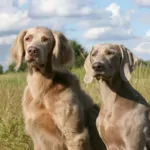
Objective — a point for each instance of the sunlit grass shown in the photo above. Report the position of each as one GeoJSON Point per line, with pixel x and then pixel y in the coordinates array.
{"type": "Point", "coordinates": [12, 135]}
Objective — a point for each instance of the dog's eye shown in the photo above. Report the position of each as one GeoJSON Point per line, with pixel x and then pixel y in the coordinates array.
{"type": "Point", "coordinates": [94, 53]}
{"type": "Point", "coordinates": [44, 39]}
{"type": "Point", "coordinates": [28, 38]}
{"type": "Point", "coordinates": [109, 52]}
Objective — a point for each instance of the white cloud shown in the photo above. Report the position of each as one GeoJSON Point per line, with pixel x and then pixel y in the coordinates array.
{"type": "Point", "coordinates": [13, 21]}
{"type": "Point", "coordinates": [143, 48]}
{"type": "Point", "coordinates": [6, 62]}
{"type": "Point", "coordinates": [118, 17]}
{"type": "Point", "coordinates": [16, 20]}
{"type": "Point", "coordinates": [114, 8]}
{"type": "Point", "coordinates": [95, 33]}
{"type": "Point", "coordinates": [12, 18]}
{"type": "Point", "coordinates": [22, 2]}
{"type": "Point", "coordinates": [73, 17]}
{"type": "Point", "coordinates": [108, 33]}
{"type": "Point", "coordinates": [148, 33]}
{"type": "Point", "coordinates": [143, 16]}
{"type": "Point", "coordinates": [106, 28]}
{"type": "Point", "coordinates": [59, 8]}
{"type": "Point", "coordinates": [7, 39]}
{"type": "Point", "coordinates": [4, 4]}
{"type": "Point", "coordinates": [144, 3]}
{"type": "Point", "coordinates": [116, 26]}
{"type": "Point", "coordinates": [53, 23]}
{"type": "Point", "coordinates": [4, 54]}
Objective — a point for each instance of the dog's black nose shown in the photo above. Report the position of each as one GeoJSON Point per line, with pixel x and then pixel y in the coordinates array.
{"type": "Point", "coordinates": [97, 66]}
{"type": "Point", "coordinates": [32, 51]}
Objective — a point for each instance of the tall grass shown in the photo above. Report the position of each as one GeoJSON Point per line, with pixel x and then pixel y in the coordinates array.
{"type": "Point", "coordinates": [12, 135]}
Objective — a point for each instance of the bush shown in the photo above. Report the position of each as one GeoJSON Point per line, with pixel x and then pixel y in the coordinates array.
{"type": "Point", "coordinates": [144, 63]}
{"type": "Point", "coordinates": [11, 67]}
{"type": "Point", "coordinates": [1, 69]}
{"type": "Point", "coordinates": [22, 68]}
{"type": "Point", "coordinates": [80, 53]}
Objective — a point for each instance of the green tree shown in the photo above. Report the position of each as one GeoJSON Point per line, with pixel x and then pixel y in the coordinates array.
{"type": "Point", "coordinates": [80, 53]}
{"type": "Point", "coordinates": [11, 67]}
{"type": "Point", "coordinates": [23, 67]}
{"type": "Point", "coordinates": [144, 63]}
{"type": "Point", "coordinates": [1, 69]}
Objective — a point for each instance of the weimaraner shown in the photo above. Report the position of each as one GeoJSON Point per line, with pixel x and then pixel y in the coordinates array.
{"type": "Point", "coordinates": [58, 114]}
{"type": "Point", "coordinates": [124, 119]}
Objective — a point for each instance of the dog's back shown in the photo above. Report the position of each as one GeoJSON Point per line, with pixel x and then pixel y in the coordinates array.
{"type": "Point", "coordinates": [91, 115]}
{"type": "Point", "coordinates": [91, 110]}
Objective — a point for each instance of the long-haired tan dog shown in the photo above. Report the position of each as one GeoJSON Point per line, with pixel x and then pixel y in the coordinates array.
{"type": "Point", "coordinates": [58, 114]}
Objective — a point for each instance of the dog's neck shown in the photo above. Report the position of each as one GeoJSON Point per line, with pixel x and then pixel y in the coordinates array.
{"type": "Point", "coordinates": [115, 87]}
{"type": "Point", "coordinates": [47, 73]}
{"type": "Point", "coordinates": [39, 80]}
{"type": "Point", "coordinates": [107, 94]}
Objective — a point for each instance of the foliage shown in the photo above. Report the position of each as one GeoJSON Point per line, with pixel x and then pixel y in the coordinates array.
{"type": "Point", "coordinates": [11, 67]}
{"type": "Point", "coordinates": [23, 67]}
{"type": "Point", "coordinates": [1, 69]}
{"type": "Point", "coordinates": [144, 63]}
{"type": "Point", "coordinates": [80, 53]}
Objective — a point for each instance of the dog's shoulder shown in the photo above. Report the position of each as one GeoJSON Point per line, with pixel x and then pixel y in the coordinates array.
{"type": "Point", "coordinates": [65, 79]}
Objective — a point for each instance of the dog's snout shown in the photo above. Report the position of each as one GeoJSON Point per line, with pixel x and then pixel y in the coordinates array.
{"type": "Point", "coordinates": [32, 50]}
{"type": "Point", "coordinates": [97, 66]}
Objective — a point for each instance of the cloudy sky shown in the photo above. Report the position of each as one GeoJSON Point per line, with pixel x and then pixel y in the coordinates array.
{"type": "Point", "coordinates": [87, 21]}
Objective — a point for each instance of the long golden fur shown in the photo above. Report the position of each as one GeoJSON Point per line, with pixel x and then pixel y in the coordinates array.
{"type": "Point", "coordinates": [58, 114]}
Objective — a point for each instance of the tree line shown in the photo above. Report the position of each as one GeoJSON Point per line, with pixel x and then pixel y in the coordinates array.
{"type": "Point", "coordinates": [80, 55]}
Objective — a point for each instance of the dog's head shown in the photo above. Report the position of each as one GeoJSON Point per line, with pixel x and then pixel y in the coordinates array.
{"type": "Point", "coordinates": [106, 60]}
{"type": "Point", "coordinates": [39, 45]}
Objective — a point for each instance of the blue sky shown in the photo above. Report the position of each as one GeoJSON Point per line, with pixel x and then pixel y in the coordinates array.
{"type": "Point", "coordinates": [88, 21]}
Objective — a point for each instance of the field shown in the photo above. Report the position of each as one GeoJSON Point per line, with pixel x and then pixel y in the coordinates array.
{"type": "Point", "coordinates": [12, 135]}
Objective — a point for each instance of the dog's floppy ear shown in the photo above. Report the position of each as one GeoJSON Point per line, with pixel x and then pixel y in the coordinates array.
{"type": "Point", "coordinates": [88, 77]}
{"type": "Point", "coordinates": [63, 53]}
{"type": "Point", "coordinates": [17, 49]}
{"type": "Point", "coordinates": [128, 63]}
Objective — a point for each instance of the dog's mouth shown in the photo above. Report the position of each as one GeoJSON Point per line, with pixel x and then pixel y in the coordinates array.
{"type": "Point", "coordinates": [99, 69]}
{"type": "Point", "coordinates": [101, 75]}
{"type": "Point", "coordinates": [34, 61]}
{"type": "Point", "coordinates": [98, 75]}
{"type": "Point", "coordinates": [99, 72]}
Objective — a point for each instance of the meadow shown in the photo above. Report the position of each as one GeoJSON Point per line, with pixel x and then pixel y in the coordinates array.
{"type": "Point", "coordinates": [12, 134]}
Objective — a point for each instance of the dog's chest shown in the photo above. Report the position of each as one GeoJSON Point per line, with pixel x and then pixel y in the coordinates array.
{"type": "Point", "coordinates": [116, 128]}
{"type": "Point", "coordinates": [38, 85]}
{"type": "Point", "coordinates": [39, 122]}
{"type": "Point", "coordinates": [115, 124]}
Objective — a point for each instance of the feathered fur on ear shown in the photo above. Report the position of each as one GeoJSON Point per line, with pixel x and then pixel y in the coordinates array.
{"type": "Point", "coordinates": [128, 63]}
{"type": "Point", "coordinates": [17, 49]}
{"type": "Point", "coordinates": [88, 77]}
{"type": "Point", "coordinates": [63, 53]}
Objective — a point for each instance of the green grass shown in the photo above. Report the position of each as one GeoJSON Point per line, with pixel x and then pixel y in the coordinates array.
{"type": "Point", "coordinates": [12, 135]}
